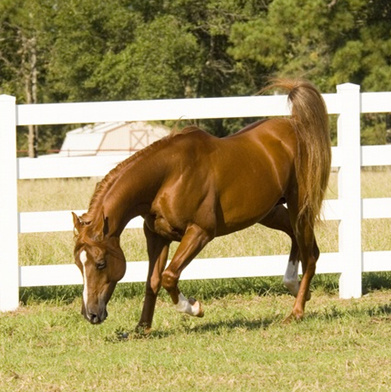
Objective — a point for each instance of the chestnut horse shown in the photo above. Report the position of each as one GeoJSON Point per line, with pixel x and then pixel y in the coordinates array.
{"type": "Point", "coordinates": [192, 187]}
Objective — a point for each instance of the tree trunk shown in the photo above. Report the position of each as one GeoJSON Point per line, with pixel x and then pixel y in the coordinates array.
{"type": "Point", "coordinates": [31, 80]}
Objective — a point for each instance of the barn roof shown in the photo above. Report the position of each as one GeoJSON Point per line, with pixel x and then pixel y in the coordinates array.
{"type": "Point", "coordinates": [111, 138]}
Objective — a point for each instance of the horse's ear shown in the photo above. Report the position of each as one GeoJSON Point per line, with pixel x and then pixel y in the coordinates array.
{"type": "Point", "coordinates": [77, 223]}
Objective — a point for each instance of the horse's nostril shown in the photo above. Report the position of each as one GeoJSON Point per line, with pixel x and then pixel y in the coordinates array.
{"type": "Point", "coordinates": [94, 319]}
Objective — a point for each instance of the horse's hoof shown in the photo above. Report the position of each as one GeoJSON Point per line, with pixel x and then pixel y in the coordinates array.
{"type": "Point", "coordinates": [200, 312]}
{"type": "Point", "coordinates": [288, 319]}
{"type": "Point", "coordinates": [292, 317]}
{"type": "Point", "coordinates": [143, 329]}
{"type": "Point", "coordinates": [196, 304]}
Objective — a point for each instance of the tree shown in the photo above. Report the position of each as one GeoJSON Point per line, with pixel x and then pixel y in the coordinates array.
{"type": "Point", "coordinates": [364, 57]}
{"type": "Point", "coordinates": [291, 38]}
{"type": "Point", "coordinates": [184, 41]}
{"type": "Point", "coordinates": [170, 50]}
{"type": "Point", "coordinates": [326, 42]}
{"type": "Point", "coordinates": [22, 52]}
{"type": "Point", "coordinates": [162, 61]}
{"type": "Point", "coordinates": [89, 50]}
{"type": "Point", "coordinates": [86, 31]}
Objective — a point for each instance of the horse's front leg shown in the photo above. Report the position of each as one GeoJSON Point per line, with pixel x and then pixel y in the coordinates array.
{"type": "Point", "coordinates": [192, 243]}
{"type": "Point", "coordinates": [157, 253]}
{"type": "Point", "coordinates": [189, 306]}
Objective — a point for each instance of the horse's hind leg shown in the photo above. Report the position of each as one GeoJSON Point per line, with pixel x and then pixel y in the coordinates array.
{"type": "Point", "coordinates": [279, 219]}
{"type": "Point", "coordinates": [309, 254]}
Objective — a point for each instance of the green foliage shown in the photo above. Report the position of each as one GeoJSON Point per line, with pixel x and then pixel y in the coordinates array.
{"type": "Point", "coordinates": [89, 50]}
{"type": "Point", "coordinates": [364, 54]}
{"type": "Point", "coordinates": [329, 43]}
{"type": "Point", "coordinates": [291, 39]}
{"type": "Point", "coordinates": [85, 31]}
{"type": "Point", "coordinates": [26, 38]}
{"type": "Point", "coordinates": [373, 129]}
{"type": "Point", "coordinates": [162, 62]}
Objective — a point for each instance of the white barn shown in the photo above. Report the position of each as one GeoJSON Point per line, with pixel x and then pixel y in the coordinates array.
{"type": "Point", "coordinates": [111, 138]}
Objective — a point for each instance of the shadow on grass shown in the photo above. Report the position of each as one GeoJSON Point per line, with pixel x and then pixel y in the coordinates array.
{"type": "Point", "coordinates": [334, 312]}
{"type": "Point", "coordinates": [53, 294]}
{"type": "Point", "coordinates": [188, 327]}
{"type": "Point", "coordinates": [234, 324]}
{"type": "Point", "coordinates": [376, 281]}
{"type": "Point", "coordinates": [120, 335]}
{"type": "Point", "coordinates": [329, 314]}
{"type": "Point", "coordinates": [380, 310]}
{"type": "Point", "coordinates": [215, 328]}
{"type": "Point", "coordinates": [67, 294]}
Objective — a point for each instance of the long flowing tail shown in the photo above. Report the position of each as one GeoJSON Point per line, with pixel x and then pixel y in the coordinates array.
{"type": "Point", "coordinates": [313, 160]}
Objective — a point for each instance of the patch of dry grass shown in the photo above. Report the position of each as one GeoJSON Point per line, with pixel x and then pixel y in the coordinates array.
{"type": "Point", "coordinates": [63, 194]}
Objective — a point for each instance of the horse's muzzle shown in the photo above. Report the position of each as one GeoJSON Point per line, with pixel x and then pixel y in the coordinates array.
{"type": "Point", "coordinates": [95, 317]}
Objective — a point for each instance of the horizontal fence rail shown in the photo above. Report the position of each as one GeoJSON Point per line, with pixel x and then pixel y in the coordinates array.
{"type": "Point", "coordinates": [348, 157]}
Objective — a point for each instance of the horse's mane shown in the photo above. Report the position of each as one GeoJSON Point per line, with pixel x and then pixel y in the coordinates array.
{"type": "Point", "coordinates": [106, 183]}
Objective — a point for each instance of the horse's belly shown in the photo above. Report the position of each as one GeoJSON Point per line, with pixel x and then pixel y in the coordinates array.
{"type": "Point", "coordinates": [237, 213]}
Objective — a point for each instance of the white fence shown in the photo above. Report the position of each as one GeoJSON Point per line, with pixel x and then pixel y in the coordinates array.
{"type": "Point", "coordinates": [349, 209]}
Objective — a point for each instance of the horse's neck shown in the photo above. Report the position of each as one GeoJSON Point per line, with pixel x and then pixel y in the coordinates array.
{"type": "Point", "coordinates": [132, 193]}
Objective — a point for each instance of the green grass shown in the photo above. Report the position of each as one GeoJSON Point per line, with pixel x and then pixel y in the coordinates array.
{"type": "Point", "coordinates": [240, 345]}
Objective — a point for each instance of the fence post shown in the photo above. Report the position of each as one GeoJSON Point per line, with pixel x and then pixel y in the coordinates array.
{"type": "Point", "coordinates": [9, 267]}
{"type": "Point", "coordinates": [349, 191]}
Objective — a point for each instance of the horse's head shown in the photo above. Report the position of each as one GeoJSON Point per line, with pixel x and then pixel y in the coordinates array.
{"type": "Point", "coordinates": [102, 264]}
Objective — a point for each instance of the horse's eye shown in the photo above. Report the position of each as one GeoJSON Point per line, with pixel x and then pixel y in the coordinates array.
{"type": "Point", "coordinates": [100, 265]}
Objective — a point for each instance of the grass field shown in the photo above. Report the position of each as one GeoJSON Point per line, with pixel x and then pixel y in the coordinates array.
{"type": "Point", "coordinates": [240, 345]}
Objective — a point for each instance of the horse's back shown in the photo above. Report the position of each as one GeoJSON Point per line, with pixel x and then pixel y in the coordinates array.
{"type": "Point", "coordinates": [275, 135]}
{"type": "Point", "coordinates": [254, 154]}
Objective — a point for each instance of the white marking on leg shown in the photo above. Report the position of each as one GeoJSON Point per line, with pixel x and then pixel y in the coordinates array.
{"type": "Point", "coordinates": [184, 306]}
{"type": "Point", "coordinates": [291, 277]}
{"type": "Point", "coordinates": [83, 260]}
